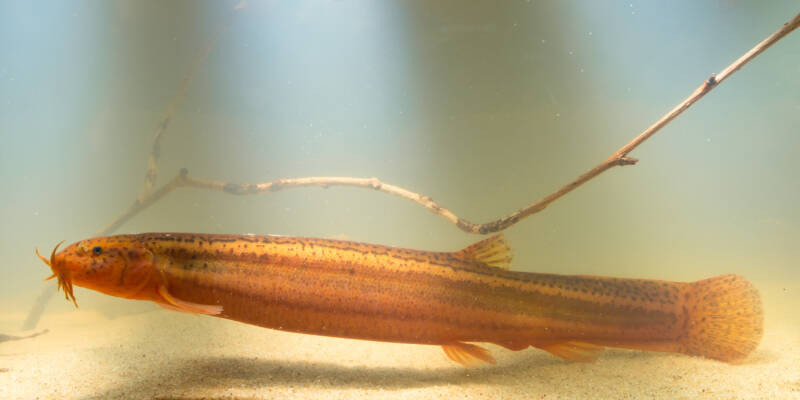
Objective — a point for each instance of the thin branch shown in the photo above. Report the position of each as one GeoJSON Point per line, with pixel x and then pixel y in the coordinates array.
{"type": "Point", "coordinates": [619, 158]}
{"type": "Point", "coordinates": [139, 205]}
{"type": "Point", "coordinates": [6, 338]}
{"type": "Point", "coordinates": [184, 180]}
{"type": "Point", "coordinates": [146, 196]}
{"type": "Point", "coordinates": [151, 173]}
{"type": "Point", "coordinates": [35, 313]}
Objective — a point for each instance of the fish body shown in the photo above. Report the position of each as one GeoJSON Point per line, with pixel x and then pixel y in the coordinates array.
{"type": "Point", "coordinates": [382, 293]}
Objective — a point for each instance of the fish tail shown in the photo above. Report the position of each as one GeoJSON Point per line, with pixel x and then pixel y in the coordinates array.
{"type": "Point", "coordinates": [724, 318]}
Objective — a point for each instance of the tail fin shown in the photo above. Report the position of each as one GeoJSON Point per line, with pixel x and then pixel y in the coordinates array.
{"type": "Point", "coordinates": [725, 319]}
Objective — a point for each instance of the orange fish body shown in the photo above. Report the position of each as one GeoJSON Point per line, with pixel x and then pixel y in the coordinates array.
{"type": "Point", "coordinates": [373, 292]}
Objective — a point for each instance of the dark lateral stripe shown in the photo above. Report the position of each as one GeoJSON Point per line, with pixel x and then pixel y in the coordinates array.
{"type": "Point", "coordinates": [664, 293]}
{"type": "Point", "coordinates": [649, 291]}
{"type": "Point", "coordinates": [230, 269]}
{"type": "Point", "coordinates": [406, 285]}
{"type": "Point", "coordinates": [657, 292]}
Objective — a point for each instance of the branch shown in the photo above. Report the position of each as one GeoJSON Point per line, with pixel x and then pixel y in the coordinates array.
{"type": "Point", "coordinates": [141, 203]}
{"type": "Point", "coordinates": [6, 338]}
{"type": "Point", "coordinates": [146, 196]}
{"type": "Point", "coordinates": [151, 173]}
{"type": "Point", "coordinates": [619, 158]}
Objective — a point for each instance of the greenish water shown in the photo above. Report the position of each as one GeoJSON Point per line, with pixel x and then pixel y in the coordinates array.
{"type": "Point", "coordinates": [484, 106]}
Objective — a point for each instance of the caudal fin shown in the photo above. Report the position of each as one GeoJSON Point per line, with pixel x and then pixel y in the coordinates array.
{"type": "Point", "coordinates": [725, 319]}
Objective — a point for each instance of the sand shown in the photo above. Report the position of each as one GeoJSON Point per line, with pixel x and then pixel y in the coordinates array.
{"type": "Point", "coordinates": [163, 354]}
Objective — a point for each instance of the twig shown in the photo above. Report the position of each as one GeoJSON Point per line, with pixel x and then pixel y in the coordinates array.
{"type": "Point", "coordinates": [151, 173]}
{"type": "Point", "coordinates": [619, 158]}
{"type": "Point", "coordinates": [32, 319]}
{"type": "Point", "coordinates": [140, 204]}
{"type": "Point", "coordinates": [6, 338]}
{"type": "Point", "coordinates": [146, 196]}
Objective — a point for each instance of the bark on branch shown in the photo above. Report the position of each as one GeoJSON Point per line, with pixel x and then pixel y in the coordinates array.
{"type": "Point", "coordinates": [619, 158]}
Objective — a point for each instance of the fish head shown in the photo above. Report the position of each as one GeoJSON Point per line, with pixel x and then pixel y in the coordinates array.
{"type": "Point", "coordinates": [113, 265]}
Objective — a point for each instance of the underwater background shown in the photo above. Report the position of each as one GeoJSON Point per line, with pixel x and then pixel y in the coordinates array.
{"type": "Point", "coordinates": [483, 106]}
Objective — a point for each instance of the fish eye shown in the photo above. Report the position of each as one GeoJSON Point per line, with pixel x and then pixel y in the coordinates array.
{"type": "Point", "coordinates": [97, 250]}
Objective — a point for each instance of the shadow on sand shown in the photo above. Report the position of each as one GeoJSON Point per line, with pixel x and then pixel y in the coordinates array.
{"type": "Point", "coordinates": [541, 370]}
{"type": "Point", "coordinates": [254, 373]}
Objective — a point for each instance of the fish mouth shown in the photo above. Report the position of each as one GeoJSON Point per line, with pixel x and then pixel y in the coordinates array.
{"type": "Point", "coordinates": [64, 278]}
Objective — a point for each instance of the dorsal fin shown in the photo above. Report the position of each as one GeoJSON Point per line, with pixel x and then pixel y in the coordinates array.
{"type": "Point", "coordinates": [493, 251]}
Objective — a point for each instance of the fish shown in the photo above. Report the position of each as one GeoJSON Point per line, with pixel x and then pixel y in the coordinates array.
{"type": "Point", "coordinates": [381, 293]}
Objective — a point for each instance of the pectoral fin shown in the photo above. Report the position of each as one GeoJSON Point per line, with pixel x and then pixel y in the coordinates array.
{"type": "Point", "coordinates": [171, 303]}
{"type": "Point", "coordinates": [467, 354]}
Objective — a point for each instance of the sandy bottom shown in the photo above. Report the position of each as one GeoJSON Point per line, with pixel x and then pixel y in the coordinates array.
{"type": "Point", "coordinates": [168, 355]}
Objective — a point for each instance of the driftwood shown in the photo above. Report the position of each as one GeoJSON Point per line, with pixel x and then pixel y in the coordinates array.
{"type": "Point", "coordinates": [149, 196]}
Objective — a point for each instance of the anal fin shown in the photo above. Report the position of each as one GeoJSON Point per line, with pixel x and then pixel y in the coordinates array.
{"type": "Point", "coordinates": [187, 306]}
{"type": "Point", "coordinates": [467, 354]}
{"type": "Point", "coordinates": [573, 351]}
